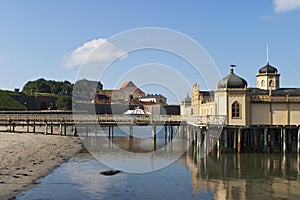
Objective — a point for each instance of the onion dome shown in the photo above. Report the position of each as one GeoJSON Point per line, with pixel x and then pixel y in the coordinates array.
{"type": "Point", "coordinates": [232, 81]}
{"type": "Point", "coordinates": [268, 69]}
{"type": "Point", "coordinates": [187, 99]}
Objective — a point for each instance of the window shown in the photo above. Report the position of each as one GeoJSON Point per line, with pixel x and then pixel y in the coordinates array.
{"type": "Point", "coordinates": [236, 110]}
{"type": "Point", "coordinates": [262, 83]}
{"type": "Point", "coordinates": [271, 83]}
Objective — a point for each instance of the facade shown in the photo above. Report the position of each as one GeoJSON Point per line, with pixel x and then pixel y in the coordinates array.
{"type": "Point", "coordinates": [265, 117]}
{"type": "Point", "coordinates": [154, 98]}
{"type": "Point", "coordinates": [266, 104]}
{"type": "Point", "coordinates": [128, 91]}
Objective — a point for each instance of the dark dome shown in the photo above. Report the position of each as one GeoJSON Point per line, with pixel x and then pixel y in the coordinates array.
{"type": "Point", "coordinates": [232, 81]}
{"type": "Point", "coordinates": [268, 69]}
{"type": "Point", "coordinates": [187, 99]}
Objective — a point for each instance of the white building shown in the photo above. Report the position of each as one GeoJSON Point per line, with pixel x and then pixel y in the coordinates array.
{"type": "Point", "coordinates": [267, 109]}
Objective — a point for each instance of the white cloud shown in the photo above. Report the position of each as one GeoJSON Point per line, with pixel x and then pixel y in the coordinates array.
{"type": "Point", "coordinates": [285, 5]}
{"type": "Point", "coordinates": [94, 51]}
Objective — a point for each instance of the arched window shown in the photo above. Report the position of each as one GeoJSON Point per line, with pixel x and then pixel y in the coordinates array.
{"type": "Point", "coordinates": [271, 83]}
{"type": "Point", "coordinates": [236, 110]}
{"type": "Point", "coordinates": [263, 83]}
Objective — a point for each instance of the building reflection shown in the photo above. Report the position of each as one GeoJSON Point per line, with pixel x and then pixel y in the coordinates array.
{"type": "Point", "coordinates": [245, 176]}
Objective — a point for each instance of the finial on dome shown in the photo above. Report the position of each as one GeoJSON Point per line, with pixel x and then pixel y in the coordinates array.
{"type": "Point", "coordinates": [267, 53]}
{"type": "Point", "coordinates": [231, 68]}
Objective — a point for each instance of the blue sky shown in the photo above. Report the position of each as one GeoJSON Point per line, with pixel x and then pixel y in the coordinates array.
{"type": "Point", "coordinates": [36, 37]}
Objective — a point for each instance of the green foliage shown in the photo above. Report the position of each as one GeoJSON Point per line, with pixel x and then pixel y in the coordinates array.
{"type": "Point", "coordinates": [48, 86]}
{"type": "Point", "coordinates": [64, 103]}
{"type": "Point", "coordinates": [9, 103]}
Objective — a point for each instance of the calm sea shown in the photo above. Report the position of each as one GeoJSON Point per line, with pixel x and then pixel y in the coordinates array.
{"type": "Point", "coordinates": [215, 176]}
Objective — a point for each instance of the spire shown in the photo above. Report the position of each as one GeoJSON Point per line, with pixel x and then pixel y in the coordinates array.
{"type": "Point", "coordinates": [267, 53]}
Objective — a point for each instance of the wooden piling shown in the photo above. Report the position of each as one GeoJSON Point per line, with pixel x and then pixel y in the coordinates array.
{"type": "Point", "coordinates": [289, 140]}
{"type": "Point", "coordinates": [283, 139]}
{"type": "Point", "coordinates": [74, 130]}
{"type": "Point", "coordinates": [109, 132]}
{"type": "Point", "coordinates": [234, 139]}
{"type": "Point", "coordinates": [60, 129]}
{"type": "Point", "coordinates": [27, 122]}
{"type": "Point", "coordinates": [165, 132]}
{"type": "Point", "coordinates": [239, 140]}
{"type": "Point", "coordinates": [154, 131]}
{"type": "Point", "coordinates": [265, 138]}
{"type": "Point", "coordinates": [298, 141]}
{"type": "Point", "coordinates": [169, 133]}
{"type": "Point", "coordinates": [46, 128]}
{"type": "Point", "coordinates": [131, 130]}
{"type": "Point", "coordinates": [225, 137]}
{"type": "Point", "coordinates": [65, 129]}
{"type": "Point", "coordinates": [33, 128]}
{"type": "Point", "coordinates": [51, 129]}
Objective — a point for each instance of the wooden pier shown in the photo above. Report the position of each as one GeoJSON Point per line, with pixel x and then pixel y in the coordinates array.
{"type": "Point", "coordinates": [197, 129]}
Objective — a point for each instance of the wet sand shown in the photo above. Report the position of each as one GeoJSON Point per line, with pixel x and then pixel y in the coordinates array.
{"type": "Point", "coordinates": [26, 157]}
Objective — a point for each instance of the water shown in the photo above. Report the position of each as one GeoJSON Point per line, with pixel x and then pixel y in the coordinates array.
{"type": "Point", "coordinates": [216, 176]}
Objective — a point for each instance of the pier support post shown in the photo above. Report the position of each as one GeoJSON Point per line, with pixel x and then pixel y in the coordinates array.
{"type": "Point", "coordinates": [225, 137]}
{"type": "Point", "coordinates": [298, 140]}
{"type": "Point", "coordinates": [169, 133]}
{"type": "Point", "coordinates": [51, 129]}
{"type": "Point", "coordinates": [205, 140]}
{"type": "Point", "coordinates": [46, 128]}
{"type": "Point", "coordinates": [195, 135]}
{"type": "Point", "coordinates": [130, 130]}
{"type": "Point", "coordinates": [74, 130]}
{"type": "Point", "coordinates": [165, 131]}
{"type": "Point", "coordinates": [9, 123]}
{"type": "Point", "coordinates": [272, 138]}
{"type": "Point", "coordinates": [154, 131]}
{"type": "Point", "coordinates": [27, 122]}
{"type": "Point", "coordinates": [283, 130]}
{"type": "Point", "coordinates": [198, 138]}
{"type": "Point", "coordinates": [289, 141]}
{"type": "Point", "coordinates": [234, 139]}
{"type": "Point", "coordinates": [265, 138]}
{"type": "Point", "coordinates": [239, 140]}
{"type": "Point", "coordinates": [60, 129]}
{"type": "Point", "coordinates": [33, 128]}
{"type": "Point", "coordinates": [109, 130]}
{"type": "Point", "coordinates": [65, 129]}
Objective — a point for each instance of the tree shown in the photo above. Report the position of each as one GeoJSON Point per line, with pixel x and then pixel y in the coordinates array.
{"type": "Point", "coordinates": [64, 103]}
{"type": "Point", "coordinates": [49, 86]}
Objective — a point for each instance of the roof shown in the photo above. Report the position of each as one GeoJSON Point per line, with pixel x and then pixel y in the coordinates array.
{"type": "Point", "coordinates": [232, 81]}
{"type": "Point", "coordinates": [278, 92]}
{"type": "Point", "coordinates": [128, 84]}
{"type": "Point", "coordinates": [152, 96]}
{"type": "Point", "coordinates": [268, 69]}
{"type": "Point", "coordinates": [187, 99]}
{"type": "Point", "coordinates": [137, 112]}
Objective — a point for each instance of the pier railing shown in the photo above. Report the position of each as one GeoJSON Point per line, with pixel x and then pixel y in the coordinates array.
{"type": "Point", "coordinates": [117, 119]}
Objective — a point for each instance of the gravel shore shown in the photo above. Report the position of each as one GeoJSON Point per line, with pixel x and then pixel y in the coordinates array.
{"type": "Point", "coordinates": [26, 157]}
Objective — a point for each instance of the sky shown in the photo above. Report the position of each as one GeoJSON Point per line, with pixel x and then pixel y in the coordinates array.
{"type": "Point", "coordinates": [51, 39]}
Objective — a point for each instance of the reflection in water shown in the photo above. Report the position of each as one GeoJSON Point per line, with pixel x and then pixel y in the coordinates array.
{"type": "Point", "coordinates": [245, 176]}
{"type": "Point", "coordinates": [216, 176]}
{"type": "Point", "coordinates": [135, 154]}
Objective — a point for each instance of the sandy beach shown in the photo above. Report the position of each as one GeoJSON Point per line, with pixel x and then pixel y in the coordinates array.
{"type": "Point", "coordinates": [25, 157]}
